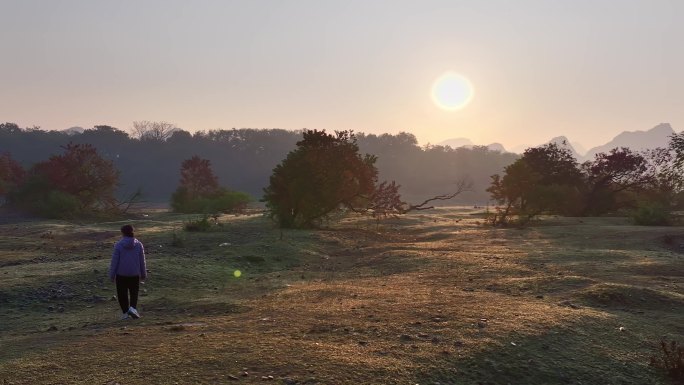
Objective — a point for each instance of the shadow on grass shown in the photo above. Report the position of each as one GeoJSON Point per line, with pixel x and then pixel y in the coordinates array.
{"type": "Point", "coordinates": [559, 356]}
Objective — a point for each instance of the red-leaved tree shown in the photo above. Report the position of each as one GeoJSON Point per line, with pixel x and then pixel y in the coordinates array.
{"type": "Point", "coordinates": [75, 183]}
{"type": "Point", "coordinates": [11, 174]}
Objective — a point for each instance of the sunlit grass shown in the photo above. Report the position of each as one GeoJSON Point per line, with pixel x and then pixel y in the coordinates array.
{"type": "Point", "coordinates": [432, 297]}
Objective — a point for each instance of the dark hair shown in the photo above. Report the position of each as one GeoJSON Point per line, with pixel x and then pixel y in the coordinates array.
{"type": "Point", "coordinates": [127, 230]}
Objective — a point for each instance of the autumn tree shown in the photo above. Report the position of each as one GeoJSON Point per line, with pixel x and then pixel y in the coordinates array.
{"type": "Point", "coordinates": [199, 190]}
{"type": "Point", "coordinates": [77, 182]}
{"type": "Point", "coordinates": [197, 177]}
{"type": "Point", "coordinates": [11, 174]}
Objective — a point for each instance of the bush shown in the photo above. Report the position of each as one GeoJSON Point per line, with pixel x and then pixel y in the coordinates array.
{"type": "Point", "coordinates": [652, 214]}
{"type": "Point", "coordinates": [177, 240]}
{"type": "Point", "coordinates": [199, 224]}
{"type": "Point", "coordinates": [58, 205]}
{"type": "Point", "coordinates": [222, 201]}
{"type": "Point", "coordinates": [37, 197]}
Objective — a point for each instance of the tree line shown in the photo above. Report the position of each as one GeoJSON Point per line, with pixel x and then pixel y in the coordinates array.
{"type": "Point", "coordinates": [149, 158]}
{"type": "Point", "coordinates": [549, 180]}
{"type": "Point", "coordinates": [326, 173]}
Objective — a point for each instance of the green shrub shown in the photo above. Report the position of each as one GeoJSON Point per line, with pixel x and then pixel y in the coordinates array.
{"type": "Point", "coordinates": [58, 205]}
{"type": "Point", "coordinates": [222, 201]}
{"type": "Point", "coordinates": [651, 214]}
{"type": "Point", "coordinates": [177, 240]}
{"type": "Point", "coordinates": [37, 197]}
{"type": "Point", "coordinates": [199, 224]}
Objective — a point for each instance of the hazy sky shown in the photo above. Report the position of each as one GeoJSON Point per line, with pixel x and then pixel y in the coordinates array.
{"type": "Point", "coordinates": [587, 69]}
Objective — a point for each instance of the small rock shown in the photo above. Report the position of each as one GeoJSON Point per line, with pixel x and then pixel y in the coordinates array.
{"type": "Point", "coordinates": [540, 297]}
{"type": "Point", "coordinates": [244, 374]}
{"type": "Point", "coordinates": [405, 337]}
{"type": "Point", "coordinates": [290, 381]}
{"type": "Point", "coordinates": [481, 324]}
{"type": "Point", "coordinates": [232, 377]}
{"type": "Point", "coordinates": [52, 328]}
{"type": "Point", "coordinates": [622, 328]}
{"type": "Point", "coordinates": [113, 298]}
{"type": "Point", "coordinates": [568, 304]}
{"type": "Point", "coordinates": [60, 310]}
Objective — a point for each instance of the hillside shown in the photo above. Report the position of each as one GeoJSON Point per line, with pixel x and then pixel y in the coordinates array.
{"type": "Point", "coordinates": [657, 136]}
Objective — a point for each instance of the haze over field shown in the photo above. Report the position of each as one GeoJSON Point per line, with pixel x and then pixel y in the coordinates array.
{"type": "Point", "coordinates": [339, 192]}
{"type": "Point", "coordinates": [588, 70]}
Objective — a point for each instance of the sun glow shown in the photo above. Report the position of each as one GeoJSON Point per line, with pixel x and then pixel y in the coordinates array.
{"type": "Point", "coordinates": [452, 91]}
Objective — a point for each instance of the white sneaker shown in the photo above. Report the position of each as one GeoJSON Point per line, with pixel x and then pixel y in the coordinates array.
{"type": "Point", "coordinates": [124, 316]}
{"type": "Point", "coordinates": [133, 313]}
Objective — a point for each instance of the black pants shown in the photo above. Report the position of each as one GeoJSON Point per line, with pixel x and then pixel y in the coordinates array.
{"type": "Point", "coordinates": [124, 285]}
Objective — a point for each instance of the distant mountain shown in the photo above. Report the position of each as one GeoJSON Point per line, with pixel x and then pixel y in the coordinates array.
{"type": "Point", "coordinates": [658, 136]}
{"type": "Point", "coordinates": [579, 148]}
{"type": "Point", "coordinates": [563, 142]}
{"type": "Point", "coordinates": [496, 147]}
{"type": "Point", "coordinates": [456, 142]}
{"type": "Point", "coordinates": [467, 143]}
{"type": "Point", "coordinates": [74, 130]}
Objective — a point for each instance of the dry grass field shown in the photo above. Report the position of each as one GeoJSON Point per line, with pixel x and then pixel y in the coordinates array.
{"type": "Point", "coordinates": [431, 298]}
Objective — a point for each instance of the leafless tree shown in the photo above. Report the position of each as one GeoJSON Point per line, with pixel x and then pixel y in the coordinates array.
{"type": "Point", "coordinates": [157, 131]}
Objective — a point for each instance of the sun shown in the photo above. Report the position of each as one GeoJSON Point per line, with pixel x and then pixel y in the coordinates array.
{"type": "Point", "coordinates": [452, 91]}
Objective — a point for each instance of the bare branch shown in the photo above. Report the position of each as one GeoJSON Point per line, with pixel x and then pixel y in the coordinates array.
{"type": "Point", "coordinates": [461, 186]}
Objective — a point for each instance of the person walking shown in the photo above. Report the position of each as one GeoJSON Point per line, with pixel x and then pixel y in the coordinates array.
{"type": "Point", "coordinates": [128, 270]}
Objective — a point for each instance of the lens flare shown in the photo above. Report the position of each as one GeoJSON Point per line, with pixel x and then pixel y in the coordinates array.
{"type": "Point", "coordinates": [452, 91]}
{"type": "Point", "coordinates": [237, 273]}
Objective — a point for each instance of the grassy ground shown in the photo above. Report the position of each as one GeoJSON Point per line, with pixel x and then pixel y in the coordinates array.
{"type": "Point", "coordinates": [432, 298]}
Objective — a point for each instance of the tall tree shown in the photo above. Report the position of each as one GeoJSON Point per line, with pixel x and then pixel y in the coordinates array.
{"type": "Point", "coordinates": [612, 174]}
{"type": "Point", "coordinates": [545, 178]}
{"type": "Point", "coordinates": [197, 177]}
{"type": "Point", "coordinates": [324, 174]}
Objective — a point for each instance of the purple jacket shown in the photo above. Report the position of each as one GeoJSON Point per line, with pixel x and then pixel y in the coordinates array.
{"type": "Point", "coordinates": [128, 259]}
